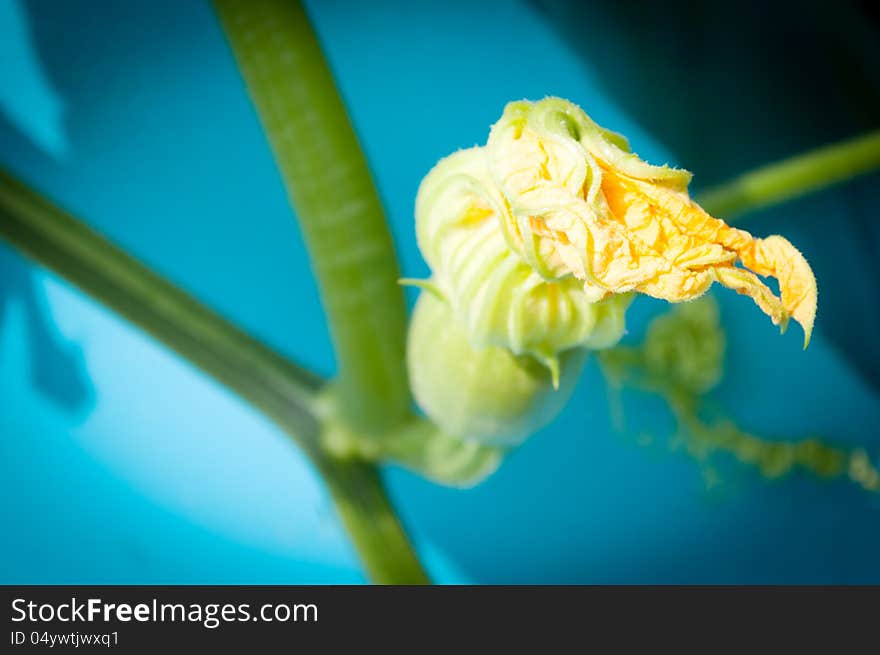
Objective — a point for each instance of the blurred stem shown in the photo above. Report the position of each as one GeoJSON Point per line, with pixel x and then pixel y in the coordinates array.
{"type": "Point", "coordinates": [794, 177]}
{"type": "Point", "coordinates": [282, 390]}
{"type": "Point", "coordinates": [285, 392]}
{"type": "Point", "coordinates": [332, 192]}
{"type": "Point", "coordinates": [418, 445]}
{"type": "Point", "coordinates": [371, 522]}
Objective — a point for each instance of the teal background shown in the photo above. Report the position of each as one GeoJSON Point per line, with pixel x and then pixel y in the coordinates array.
{"type": "Point", "coordinates": [122, 464]}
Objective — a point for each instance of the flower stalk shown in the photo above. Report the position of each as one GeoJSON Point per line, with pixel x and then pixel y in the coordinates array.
{"type": "Point", "coordinates": [790, 178]}
{"type": "Point", "coordinates": [336, 203]}
{"type": "Point", "coordinates": [338, 209]}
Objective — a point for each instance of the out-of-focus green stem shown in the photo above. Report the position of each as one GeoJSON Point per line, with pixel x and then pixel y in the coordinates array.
{"type": "Point", "coordinates": [794, 177]}
{"type": "Point", "coordinates": [332, 192]}
{"type": "Point", "coordinates": [49, 235]}
{"type": "Point", "coordinates": [368, 516]}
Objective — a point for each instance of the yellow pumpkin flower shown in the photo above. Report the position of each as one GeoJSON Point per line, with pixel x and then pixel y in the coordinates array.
{"type": "Point", "coordinates": [537, 242]}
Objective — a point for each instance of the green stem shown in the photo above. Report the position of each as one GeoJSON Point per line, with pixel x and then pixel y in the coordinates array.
{"type": "Point", "coordinates": [285, 392]}
{"type": "Point", "coordinates": [351, 250]}
{"type": "Point", "coordinates": [418, 445]}
{"type": "Point", "coordinates": [794, 177]}
{"type": "Point", "coordinates": [46, 233]}
{"type": "Point", "coordinates": [370, 520]}
{"type": "Point", "coordinates": [331, 189]}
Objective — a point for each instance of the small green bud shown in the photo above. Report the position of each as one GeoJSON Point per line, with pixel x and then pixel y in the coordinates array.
{"type": "Point", "coordinates": [483, 393]}
{"type": "Point", "coordinates": [685, 346]}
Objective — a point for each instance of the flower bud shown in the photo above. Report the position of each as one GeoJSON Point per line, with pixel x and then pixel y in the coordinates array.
{"type": "Point", "coordinates": [486, 393]}
{"type": "Point", "coordinates": [685, 347]}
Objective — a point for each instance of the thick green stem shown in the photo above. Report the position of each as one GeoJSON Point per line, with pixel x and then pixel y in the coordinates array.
{"type": "Point", "coordinates": [46, 233]}
{"type": "Point", "coordinates": [369, 518]}
{"type": "Point", "coordinates": [331, 189]}
{"type": "Point", "coordinates": [794, 177]}
{"type": "Point", "coordinates": [352, 254]}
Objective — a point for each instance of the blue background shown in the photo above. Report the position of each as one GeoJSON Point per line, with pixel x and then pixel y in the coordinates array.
{"type": "Point", "coordinates": [122, 464]}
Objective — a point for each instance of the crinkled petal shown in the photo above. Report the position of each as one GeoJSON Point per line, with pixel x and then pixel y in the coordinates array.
{"type": "Point", "coordinates": [587, 207]}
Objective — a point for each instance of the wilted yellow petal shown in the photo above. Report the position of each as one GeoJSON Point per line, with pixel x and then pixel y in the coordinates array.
{"type": "Point", "coordinates": [581, 205]}
{"type": "Point", "coordinates": [777, 257]}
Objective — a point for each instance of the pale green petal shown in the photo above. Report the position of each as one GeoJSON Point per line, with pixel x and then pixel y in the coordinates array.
{"type": "Point", "coordinates": [485, 394]}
